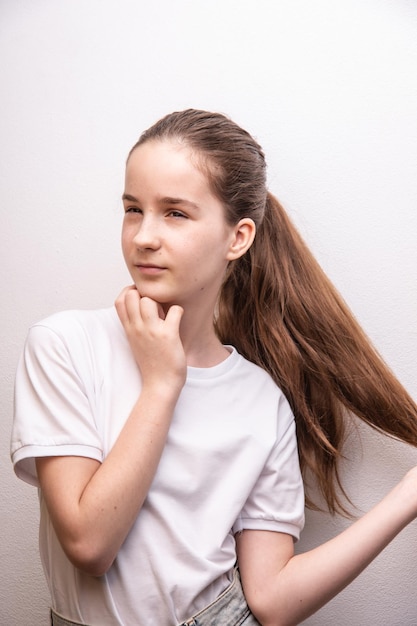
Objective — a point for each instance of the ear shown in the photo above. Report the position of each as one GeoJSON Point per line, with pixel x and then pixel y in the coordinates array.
{"type": "Point", "coordinates": [243, 236]}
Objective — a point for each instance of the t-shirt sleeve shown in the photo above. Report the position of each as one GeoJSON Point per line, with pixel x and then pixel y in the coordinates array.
{"type": "Point", "coordinates": [277, 502]}
{"type": "Point", "coordinates": [54, 404]}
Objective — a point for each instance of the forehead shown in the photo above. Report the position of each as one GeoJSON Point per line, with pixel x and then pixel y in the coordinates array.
{"type": "Point", "coordinates": [164, 159]}
{"type": "Point", "coordinates": [169, 169]}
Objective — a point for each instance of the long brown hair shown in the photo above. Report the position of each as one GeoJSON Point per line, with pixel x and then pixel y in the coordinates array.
{"type": "Point", "coordinates": [279, 309]}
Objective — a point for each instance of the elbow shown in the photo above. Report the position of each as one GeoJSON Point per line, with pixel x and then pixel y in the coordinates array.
{"type": "Point", "coordinates": [271, 620]}
{"type": "Point", "coordinates": [268, 613]}
{"type": "Point", "coordinates": [89, 550]}
{"type": "Point", "coordinates": [264, 619]}
{"type": "Point", "coordinates": [94, 568]}
{"type": "Point", "coordinates": [259, 609]}
{"type": "Point", "coordinates": [89, 558]}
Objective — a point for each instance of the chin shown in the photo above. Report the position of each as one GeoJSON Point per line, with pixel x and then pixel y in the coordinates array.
{"type": "Point", "coordinates": [154, 295]}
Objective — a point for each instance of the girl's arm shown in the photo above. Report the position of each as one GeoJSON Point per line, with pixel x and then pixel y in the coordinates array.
{"type": "Point", "coordinates": [92, 505]}
{"type": "Point", "coordinates": [283, 589]}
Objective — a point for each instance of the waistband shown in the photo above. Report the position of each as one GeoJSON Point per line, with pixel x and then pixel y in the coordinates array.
{"type": "Point", "coordinates": [58, 620]}
{"type": "Point", "coordinates": [229, 609]}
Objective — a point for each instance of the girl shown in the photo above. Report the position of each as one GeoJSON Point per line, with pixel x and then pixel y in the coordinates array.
{"type": "Point", "coordinates": [162, 431]}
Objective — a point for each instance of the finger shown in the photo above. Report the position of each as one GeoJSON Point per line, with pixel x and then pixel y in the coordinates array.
{"type": "Point", "coordinates": [174, 316]}
{"type": "Point", "coordinates": [149, 309]}
{"type": "Point", "coordinates": [132, 304]}
{"type": "Point", "coordinates": [120, 303]}
{"type": "Point", "coordinates": [122, 294]}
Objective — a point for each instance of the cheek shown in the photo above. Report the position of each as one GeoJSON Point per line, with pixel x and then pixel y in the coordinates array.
{"type": "Point", "coordinates": [126, 237]}
{"type": "Point", "coordinates": [126, 246]}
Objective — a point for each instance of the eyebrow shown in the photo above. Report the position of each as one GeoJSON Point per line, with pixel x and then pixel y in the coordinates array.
{"type": "Point", "coordinates": [166, 200]}
{"type": "Point", "coordinates": [129, 198]}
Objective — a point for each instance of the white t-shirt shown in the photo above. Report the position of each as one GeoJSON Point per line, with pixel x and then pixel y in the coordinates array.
{"type": "Point", "coordinates": [230, 463]}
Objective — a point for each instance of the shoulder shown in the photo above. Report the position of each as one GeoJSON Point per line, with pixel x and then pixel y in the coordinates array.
{"type": "Point", "coordinates": [65, 322]}
{"type": "Point", "coordinates": [76, 326]}
{"type": "Point", "coordinates": [77, 338]}
{"type": "Point", "coordinates": [258, 391]}
{"type": "Point", "coordinates": [257, 379]}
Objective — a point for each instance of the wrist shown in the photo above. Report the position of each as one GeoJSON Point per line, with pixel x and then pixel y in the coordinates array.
{"type": "Point", "coordinates": [160, 390]}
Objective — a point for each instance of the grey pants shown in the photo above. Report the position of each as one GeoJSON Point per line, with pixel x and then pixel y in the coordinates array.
{"type": "Point", "coordinates": [229, 609]}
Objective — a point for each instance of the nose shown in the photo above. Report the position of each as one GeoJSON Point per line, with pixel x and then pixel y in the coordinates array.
{"type": "Point", "coordinates": [147, 236]}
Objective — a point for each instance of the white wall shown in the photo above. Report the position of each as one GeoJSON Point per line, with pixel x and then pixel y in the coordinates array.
{"type": "Point", "coordinates": [329, 88]}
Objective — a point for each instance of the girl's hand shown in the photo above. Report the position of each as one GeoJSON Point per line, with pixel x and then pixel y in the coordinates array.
{"type": "Point", "coordinates": [154, 339]}
{"type": "Point", "coordinates": [94, 505]}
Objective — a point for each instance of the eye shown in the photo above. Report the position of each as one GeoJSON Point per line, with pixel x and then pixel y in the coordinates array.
{"type": "Point", "coordinates": [133, 209]}
{"type": "Point", "coordinates": [177, 214]}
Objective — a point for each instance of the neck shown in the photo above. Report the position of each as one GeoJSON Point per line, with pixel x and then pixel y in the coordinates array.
{"type": "Point", "coordinates": [201, 345]}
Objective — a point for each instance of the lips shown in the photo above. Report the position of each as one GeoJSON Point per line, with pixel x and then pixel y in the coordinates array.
{"type": "Point", "coordinates": [145, 268]}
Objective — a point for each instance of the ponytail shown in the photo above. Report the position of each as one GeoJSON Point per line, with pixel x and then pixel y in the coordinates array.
{"type": "Point", "coordinates": [280, 310]}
